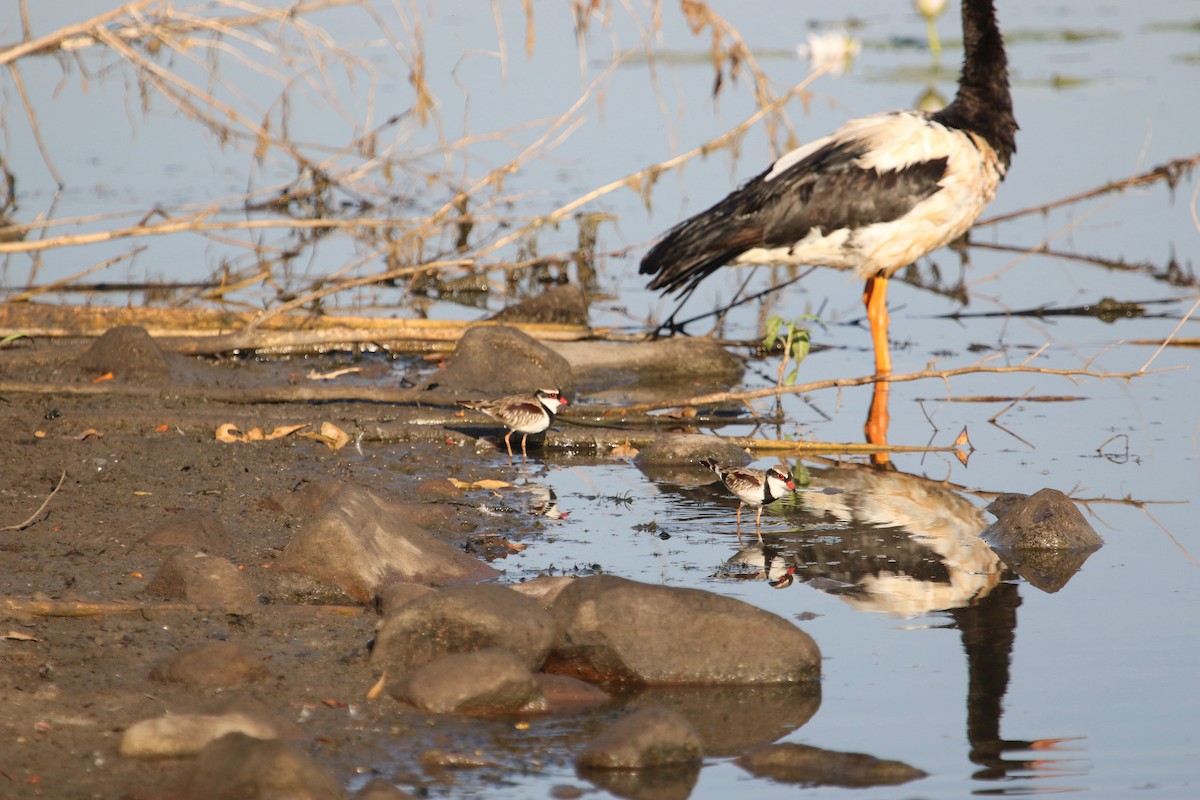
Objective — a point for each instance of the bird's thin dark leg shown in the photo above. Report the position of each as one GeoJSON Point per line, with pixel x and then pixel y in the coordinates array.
{"type": "Point", "coordinates": [670, 325]}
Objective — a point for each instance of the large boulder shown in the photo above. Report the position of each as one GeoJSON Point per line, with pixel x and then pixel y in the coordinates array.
{"type": "Point", "coordinates": [492, 360]}
{"type": "Point", "coordinates": [1043, 537]}
{"type": "Point", "coordinates": [652, 737]}
{"type": "Point", "coordinates": [459, 620]}
{"type": "Point", "coordinates": [198, 530]}
{"type": "Point", "coordinates": [358, 542]}
{"type": "Point", "coordinates": [734, 718]}
{"type": "Point", "coordinates": [488, 681]}
{"type": "Point", "coordinates": [188, 734]}
{"type": "Point", "coordinates": [613, 629]}
{"type": "Point", "coordinates": [246, 768]}
{"type": "Point", "coordinates": [211, 664]}
{"type": "Point", "coordinates": [202, 579]}
{"type": "Point", "coordinates": [1045, 520]}
{"type": "Point", "coordinates": [129, 353]}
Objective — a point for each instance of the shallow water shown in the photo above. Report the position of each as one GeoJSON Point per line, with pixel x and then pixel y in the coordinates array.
{"type": "Point", "coordinates": [935, 655]}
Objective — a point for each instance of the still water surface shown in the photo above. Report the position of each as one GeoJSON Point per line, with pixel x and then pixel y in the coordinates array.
{"type": "Point", "coordinates": [936, 655]}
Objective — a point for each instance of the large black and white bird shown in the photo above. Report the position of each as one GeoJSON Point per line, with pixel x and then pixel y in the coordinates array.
{"type": "Point", "coordinates": [872, 197]}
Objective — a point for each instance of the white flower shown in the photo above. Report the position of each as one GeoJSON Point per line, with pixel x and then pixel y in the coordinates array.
{"type": "Point", "coordinates": [835, 49]}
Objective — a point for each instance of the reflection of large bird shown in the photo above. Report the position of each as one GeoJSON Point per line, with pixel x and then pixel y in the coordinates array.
{"type": "Point", "coordinates": [873, 197]}
{"type": "Point", "coordinates": [935, 560]}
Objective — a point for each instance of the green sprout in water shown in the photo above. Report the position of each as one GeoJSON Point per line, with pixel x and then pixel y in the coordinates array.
{"type": "Point", "coordinates": [794, 341]}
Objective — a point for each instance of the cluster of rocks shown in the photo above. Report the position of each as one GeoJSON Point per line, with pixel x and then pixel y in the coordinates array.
{"type": "Point", "coordinates": [452, 641]}
{"type": "Point", "coordinates": [477, 648]}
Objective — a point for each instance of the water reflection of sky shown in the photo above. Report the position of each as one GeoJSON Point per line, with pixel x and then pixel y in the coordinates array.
{"type": "Point", "coordinates": [1111, 653]}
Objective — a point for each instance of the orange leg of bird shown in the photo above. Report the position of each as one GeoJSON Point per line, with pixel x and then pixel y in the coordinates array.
{"type": "Point", "coordinates": [875, 298]}
{"type": "Point", "coordinates": [524, 453]}
{"type": "Point", "coordinates": [876, 428]}
{"type": "Point", "coordinates": [739, 525]}
{"type": "Point", "coordinates": [508, 444]}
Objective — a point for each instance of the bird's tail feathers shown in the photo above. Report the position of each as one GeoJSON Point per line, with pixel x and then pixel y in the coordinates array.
{"type": "Point", "coordinates": [692, 251]}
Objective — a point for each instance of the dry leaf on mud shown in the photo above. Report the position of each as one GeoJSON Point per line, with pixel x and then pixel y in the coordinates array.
{"type": "Point", "coordinates": [486, 483]}
{"type": "Point", "coordinates": [90, 433]}
{"type": "Point", "coordinates": [18, 636]}
{"type": "Point", "coordinates": [108, 376]}
{"type": "Point", "coordinates": [624, 450]}
{"type": "Point", "coordinates": [330, 435]}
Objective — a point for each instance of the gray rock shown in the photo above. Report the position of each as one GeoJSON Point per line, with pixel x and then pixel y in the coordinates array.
{"type": "Point", "coordinates": [459, 620]}
{"type": "Point", "coordinates": [614, 629]}
{"type": "Point", "coordinates": [486, 681]}
{"type": "Point", "coordinates": [357, 541]}
{"type": "Point", "coordinates": [1043, 538]}
{"type": "Point", "coordinates": [188, 734]}
{"type": "Point", "coordinates": [1047, 520]}
{"type": "Point", "coordinates": [306, 500]}
{"type": "Point", "coordinates": [558, 305]}
{"type": "Point", "coordinates": [242, 767]}
{"type": "Point", "coordinates": [686, 449]}
{"type": "Point", "coordinates": [129, 353]}
{"type": "Point", "coordinates": [564, 693]}
{"type": "Point", "coordinates": [211, 664]}
{"type": "Point", "coordinates": [652, 737]}
{"type": "Point", "coordinates": [658, 370]}
{"type": "Point", "coordinates": [544, 588]}
{"type": "Point", "coordinates": [494, 360]}
{"type": "Point", "coordinates": [200, 530]}
{"type": "Point", "coordinates": [812, 766]}
{"type": "Point", "coordinates": [396, 594]}
{"type": "Point", "coordinates": [675, 782]}
{"type": "Point", "coordinates": [202, 579]}
{"type": "Point", "coordinates": [733, 719]}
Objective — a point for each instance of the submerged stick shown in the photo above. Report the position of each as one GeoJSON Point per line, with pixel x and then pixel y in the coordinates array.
{"type": "Point", "coordinates": [22, 526]}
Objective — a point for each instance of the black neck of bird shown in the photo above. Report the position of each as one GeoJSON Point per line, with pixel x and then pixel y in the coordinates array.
{"type": "Point", "coordinates": [983, 104]}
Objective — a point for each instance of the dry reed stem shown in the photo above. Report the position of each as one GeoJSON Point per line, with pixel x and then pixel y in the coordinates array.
{"type": "Point", "coordinates": [53, 41]}
{"type": "Point", "coordinates": [843, 383]}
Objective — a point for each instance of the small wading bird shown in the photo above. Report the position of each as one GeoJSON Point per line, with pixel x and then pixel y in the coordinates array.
{"type": "Point", "coordinates": [753, 487]}
{"type": "Point", "coordinates": [521, 413]}
{"type": "Point", "coordinates": [873, 197]}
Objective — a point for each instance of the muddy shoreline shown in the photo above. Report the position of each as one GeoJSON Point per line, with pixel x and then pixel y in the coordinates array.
{"type": "Point", "coordinates": [84, 635]}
